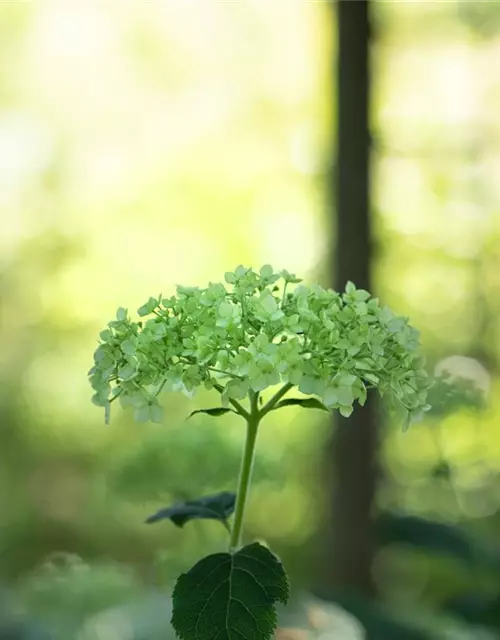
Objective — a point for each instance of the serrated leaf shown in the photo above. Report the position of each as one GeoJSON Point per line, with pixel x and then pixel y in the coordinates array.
{"type": "Point", "coordinates": [305, 403]}
{"type": "Point", "coordinates": [230, 597]}
{"type": "Point", "coordinates": [216, 411]}
{"type": "Point", "coordinates": [214, 507]}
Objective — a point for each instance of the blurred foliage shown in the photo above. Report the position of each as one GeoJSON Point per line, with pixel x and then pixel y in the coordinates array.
{"type": "Point", "coordinates": [149, 145]}
{"type": "Point", "coordinates": [448, 395]}
{"type": "Point", "coordinates": [437, 537]}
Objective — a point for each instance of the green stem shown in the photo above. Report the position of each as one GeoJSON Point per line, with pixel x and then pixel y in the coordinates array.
{"type": "Point", "coordinates": [283, 299]}
{"type": "Point", "coordinates": [253, 419]}
{"type": "Point", "coordinates": [245, 472]}
{"type": "Point", "coordinates": [277, 396]}
{"type": "Point", "coordinates": [239, 408]}
{"type": "Point", "coordinates": [226, 373]}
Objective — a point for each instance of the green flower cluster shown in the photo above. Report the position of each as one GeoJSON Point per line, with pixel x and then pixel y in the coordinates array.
{"type": "Point", "coordinates": [256, 331]}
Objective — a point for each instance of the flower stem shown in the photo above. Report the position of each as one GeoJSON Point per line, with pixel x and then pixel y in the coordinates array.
{"type": "Point", "coordinates": [239, 408]}
{"type": "Point", "coordinates": [273, 401]}
{"type": "Point", "coordinates": [253, 420]}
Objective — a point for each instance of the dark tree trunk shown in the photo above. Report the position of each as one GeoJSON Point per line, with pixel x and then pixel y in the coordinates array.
{"type": "Point", "coordinates": [351, 454]}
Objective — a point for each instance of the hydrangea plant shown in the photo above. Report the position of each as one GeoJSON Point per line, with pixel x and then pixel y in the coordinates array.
{"type": "Point", "coordinates": [257, 331]}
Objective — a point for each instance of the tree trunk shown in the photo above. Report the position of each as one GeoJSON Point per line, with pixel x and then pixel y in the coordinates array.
{"type": "Point", "coordinates": [351, 453]}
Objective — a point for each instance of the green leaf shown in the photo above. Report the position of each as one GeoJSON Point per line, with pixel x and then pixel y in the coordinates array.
{"type": "Point", "coordinates": [305, 403]}
{"type": "Point", "coordinates": [435, 537]}
{"type": "Point", "coordinates": [230, 597]}
{"type": "Point", "coordinates": [379, 622]}
{"type": "Point", "coordinates": [215, 507]}
{"type": "Point", "coordinates": [215, 412]}
{"type": "Point", "coordinates": [476, 608]}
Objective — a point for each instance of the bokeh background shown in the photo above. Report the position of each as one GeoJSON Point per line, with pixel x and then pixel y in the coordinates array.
{"type": "Point", "coordinates": [149, 144]}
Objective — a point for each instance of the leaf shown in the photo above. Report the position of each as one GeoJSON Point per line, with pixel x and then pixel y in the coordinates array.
{"type": "Point", "coordinates": [425, 534]}
{"type": "Point", "coordinates": [305, 403]}
{"type": "Point", "coordinates": [476, 608]}
{"type": "Point", "coordinates": [216, 411]}
{"type": "Point", "coordinates": [214, 507]}
{"type": "Point", "coordinates": [435, 537]}
{"type": "Point", "coordinates": [230, 597]}
{"type": "Point", "coordinates": [379, 622]}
